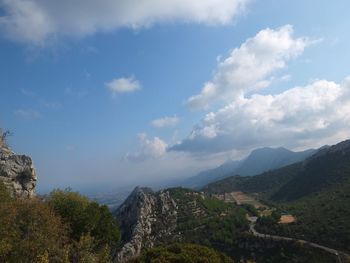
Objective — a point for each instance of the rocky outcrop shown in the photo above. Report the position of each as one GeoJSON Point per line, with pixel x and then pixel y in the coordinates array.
{"type": "Point", "coordinates": [146, 219]}
{"type": "Point", "coordinates": [17, 173]}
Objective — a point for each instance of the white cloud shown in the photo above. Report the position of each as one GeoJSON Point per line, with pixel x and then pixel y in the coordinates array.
{"type": "Point", "coordinates": [301, 117]}
{"type": "Point", "coordinates": [123, 85]}
{"type": "Point", "coordinates": [165, 122]}
{"type": "Point", "coordinates": [27, 114]}
{"type": "Point", "coordinates": [150, 148]}
{"type": "Point", "coordinates": [39, 21]}
{"type": "Point", "coordinates": [251, 66]}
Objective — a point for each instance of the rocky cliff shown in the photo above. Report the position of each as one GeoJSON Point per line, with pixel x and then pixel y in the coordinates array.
{"type": "Point", "coordinates": [146, 219]}
{"type": "Point", "coordinates": [17, 173]}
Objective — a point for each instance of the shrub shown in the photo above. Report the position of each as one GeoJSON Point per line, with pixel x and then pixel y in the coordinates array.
{"type": "Point", "coordinates": [29, 231]}
{"type": "Point", "coordinates": [85, 218]}
{"type": "Point", "coordinates": [184, 253]}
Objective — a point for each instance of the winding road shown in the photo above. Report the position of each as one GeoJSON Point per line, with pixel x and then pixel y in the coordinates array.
{"type": "Point", "coordinates": [334, 252]}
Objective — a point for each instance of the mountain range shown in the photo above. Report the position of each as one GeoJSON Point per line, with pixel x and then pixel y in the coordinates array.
{"type": "Point", "coordinates": [258, 161]}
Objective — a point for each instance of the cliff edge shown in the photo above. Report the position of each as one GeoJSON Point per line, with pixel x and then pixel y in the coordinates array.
{"type": "Point", "coordinates": [146, 219]}
{"type": "Point", "coordinates": [17, 173]}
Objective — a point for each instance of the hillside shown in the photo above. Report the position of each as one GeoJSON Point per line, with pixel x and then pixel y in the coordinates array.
{"type": "Point", "coordinates": [149, 219]}
{"type": "Point", "coordinates": [326, 170]}
{"type": "Point", "coordinates": [266, 159]}
{"type": "Point", "coordinates": [152, 221]}
{"type": "Point", "coordinates": [259, 161]}
{"type": "Point", "coordinates": [315, 191]}
{"type": "Point", "coordinates": [265, 183]}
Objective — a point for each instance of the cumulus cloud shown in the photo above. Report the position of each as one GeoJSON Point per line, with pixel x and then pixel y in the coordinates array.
{"type": "Point", "coordinates": [300, 117]}
{"type": "Point", "coordinates": [150, 148]}
{"type": "Point", "coordinates": [297, 118]}
{"type": "Point", "coordinates": [123, 85]}
{"type": "Point", "coordinates": [165, 122]}
{"type": "Point", "coordinates": [39, 21]}
{"type": "Point", "coordinates": [251, 66]}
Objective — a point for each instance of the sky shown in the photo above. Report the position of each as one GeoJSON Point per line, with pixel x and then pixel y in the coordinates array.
{"type": "Point", "coordinates": [118, 93]}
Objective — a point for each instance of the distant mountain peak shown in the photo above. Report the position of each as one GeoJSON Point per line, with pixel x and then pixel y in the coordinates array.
{"type": "Point", "coordinates": [258, 161]}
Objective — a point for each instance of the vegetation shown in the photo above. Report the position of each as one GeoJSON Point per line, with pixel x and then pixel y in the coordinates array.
{"type": "Point", "coordinates": [319, 174]}
{"type": "Point", "coordinates": [323, 218]}
{"type": "Point", "coordinates": [208, 221]}
{"type": "Point", "coordinates": [38, 231]}
{"type": "Point", "coordinates": [265, 183]}
{"type": "Point", "coordinates": [85, 217]}
{"type": "Point", "coordinates": [316, 192]}
{"type": "Point", "coordinates": [223, 226]}
{"type": "Point", "coordinates": [319, 197]}
{"type": "Point", "coordinates": [184, 253]}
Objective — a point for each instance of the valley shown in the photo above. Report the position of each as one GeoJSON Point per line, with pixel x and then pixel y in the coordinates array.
{"type": "Point", "coordinates": [315, 193]}
{"type": "Point", "coordinates": [297, 213]}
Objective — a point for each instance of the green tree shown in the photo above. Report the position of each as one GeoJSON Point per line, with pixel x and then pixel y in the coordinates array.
{"type": "Point", "coordinates": [30, 231]}
{"type": "Point", "coordinates": [184, 253]}
{"type": "Point", "coordinates": [85, 217]}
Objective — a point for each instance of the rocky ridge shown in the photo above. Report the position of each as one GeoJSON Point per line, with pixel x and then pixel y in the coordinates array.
{"type": "Point", "coordinates": [17, 172]}
{"type": "Point", "coordinates": [146, 219]}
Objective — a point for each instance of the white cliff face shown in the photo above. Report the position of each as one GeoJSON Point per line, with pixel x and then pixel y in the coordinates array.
{"type": "Point", "coordinates": [17, 173]}
{"type": "Point", "coordinates": [146, 218]}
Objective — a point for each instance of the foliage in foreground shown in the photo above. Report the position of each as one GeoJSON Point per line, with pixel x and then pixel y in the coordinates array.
{"type": "Point", "coordinates": [184, 253]}
{"type": "Point", "coordinates": [37, 231]}
{"type": "Point", "coordinates": [85, 217]}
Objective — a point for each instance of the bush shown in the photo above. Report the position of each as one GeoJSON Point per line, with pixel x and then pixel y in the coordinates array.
{"type": "Point", "coordinates": [69, 228]}
{"type": "Point", "coordinates": [184, 253]}
{"type": "Point", "coordinates": [85, 218]}
{"type": "Point", "coordinates": [30, 231]}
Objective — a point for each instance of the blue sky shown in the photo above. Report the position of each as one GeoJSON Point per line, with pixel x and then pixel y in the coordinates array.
{"type": "Point", "coordinates": [100, 94]}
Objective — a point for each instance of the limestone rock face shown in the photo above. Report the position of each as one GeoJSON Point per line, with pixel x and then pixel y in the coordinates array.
{"type": "Point", "coordinates": [17, 173]}
{"type": "Point", "coordinates": [146, 219]}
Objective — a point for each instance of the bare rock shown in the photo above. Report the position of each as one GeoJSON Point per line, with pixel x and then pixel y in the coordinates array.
{"type": "Point", "coordinates": [146, 219]}
{"type": "Point", "coordinates": [17, 173]}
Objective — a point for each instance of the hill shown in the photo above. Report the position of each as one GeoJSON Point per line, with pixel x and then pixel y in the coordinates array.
{"type": "Point", "coordinates": [149, 219]}
{"type": "Point", "coordinates": [152, 221]}
{"type": "Point", "coordinates": [259, 161]}
{"type": "Point", "coordinates": [316, 191]}
{"type": "Point", "coordinates": [264, 184]}
{"type": "Point", "coordinates": [326, 170]}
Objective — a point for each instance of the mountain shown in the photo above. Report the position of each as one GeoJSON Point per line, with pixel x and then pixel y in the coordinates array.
{"type": "Point", "coordinates": [266, 159]}
{"type": "Point", "coordinates": [152, 223]}
{"type": "Point", "coordinates": [146, 219]}
{"type": "Point", "coordinates": [211, 175]}
{"type": "Point", "coordinates": [264, 184]}
{"type": "Point", "coordinates": [329, 168]}
{"type": "Point", "coordinates": [259, 161]}
{"type": "Point", "coordinates": [316, 191]}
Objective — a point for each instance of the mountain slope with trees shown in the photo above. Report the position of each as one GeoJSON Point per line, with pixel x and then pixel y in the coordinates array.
{"type": "Point", "coordinates": [316, 192]}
